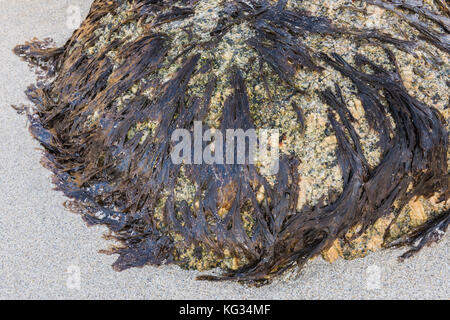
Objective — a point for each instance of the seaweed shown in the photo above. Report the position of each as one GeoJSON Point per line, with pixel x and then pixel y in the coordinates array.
{"type": "Point", "coordinates": [439, 39]}
{"type": "Point", "coordinates": [430, 232]}
{"type": "Point", "coordinates": [128, 181]}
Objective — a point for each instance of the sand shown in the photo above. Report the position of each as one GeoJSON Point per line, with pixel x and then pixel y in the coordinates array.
{"type": "Point", "coordinates": [43, 246]}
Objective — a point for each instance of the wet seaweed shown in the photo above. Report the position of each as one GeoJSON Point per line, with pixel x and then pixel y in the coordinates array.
{"type": "Point", "coordinates": [439, 39]}
{"type": "Point", "coordinates": [128, 181]}
{"type": "Point", "coordinates": [430, 232]}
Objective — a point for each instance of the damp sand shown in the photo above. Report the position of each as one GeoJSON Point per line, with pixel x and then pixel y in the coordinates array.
{"type": "Point", "coordinates": [40, 240]}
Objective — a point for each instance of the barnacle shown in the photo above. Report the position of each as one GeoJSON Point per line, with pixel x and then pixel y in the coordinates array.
{"type": "Point", "coordinates": [357, 150]}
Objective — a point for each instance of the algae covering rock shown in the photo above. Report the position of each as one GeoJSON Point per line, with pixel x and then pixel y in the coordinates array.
{"type": "Point", "coordinates": [358, 93]}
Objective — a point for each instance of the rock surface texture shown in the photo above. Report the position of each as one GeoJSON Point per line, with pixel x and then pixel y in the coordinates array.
{"type": "Point", "coordinates": [357, 89]}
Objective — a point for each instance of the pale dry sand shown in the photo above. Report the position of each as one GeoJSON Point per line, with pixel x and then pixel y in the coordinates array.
{"type": "Point", "coordinates": [40, 240]}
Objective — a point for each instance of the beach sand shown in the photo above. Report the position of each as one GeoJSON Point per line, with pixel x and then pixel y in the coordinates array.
{"type": "Point", "coordinates": [43, 246]}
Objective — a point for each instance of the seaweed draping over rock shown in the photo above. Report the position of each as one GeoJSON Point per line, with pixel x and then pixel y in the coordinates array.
{"type": "Point", "coordinates": [120, 87]}
{"type": "Point", "coordinates": [436, 38]}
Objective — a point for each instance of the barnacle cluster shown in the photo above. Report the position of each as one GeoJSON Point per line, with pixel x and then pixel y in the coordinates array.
{"type": "Point", "coordinates": [355, 88]}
